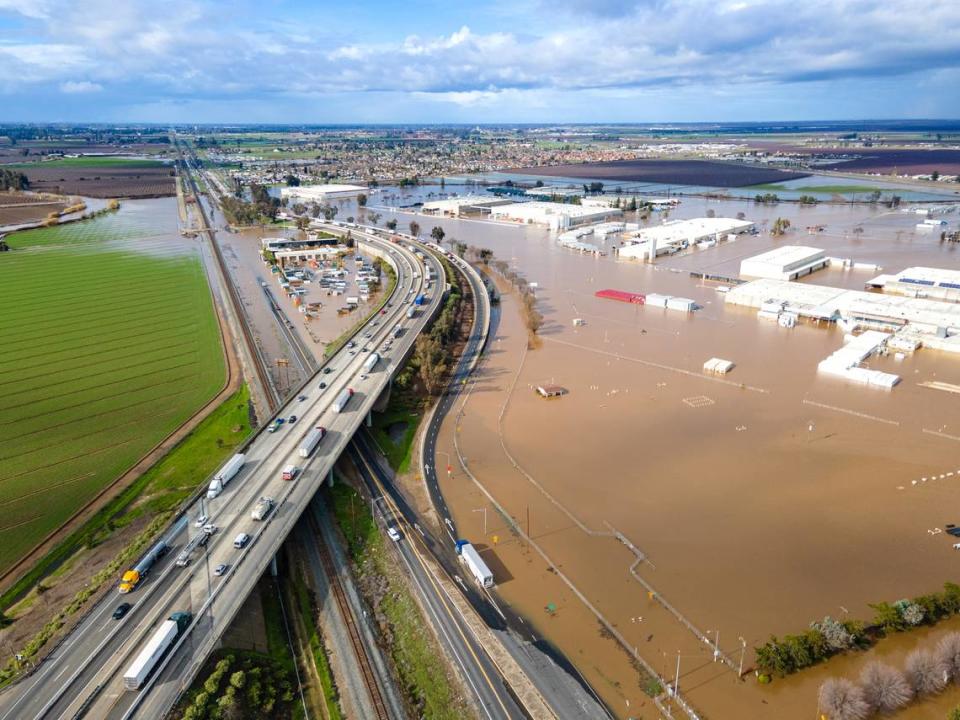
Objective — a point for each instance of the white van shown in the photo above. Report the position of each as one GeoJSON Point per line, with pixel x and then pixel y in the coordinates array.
{"type": "Point", "coordinates": [241, 541]}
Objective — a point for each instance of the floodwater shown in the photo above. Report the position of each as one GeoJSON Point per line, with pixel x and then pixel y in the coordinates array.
{"type": "Point", "coordinates": [757, 501]}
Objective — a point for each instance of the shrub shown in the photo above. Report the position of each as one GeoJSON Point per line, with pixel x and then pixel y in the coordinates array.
{"type": "Point", "coordinates": [837, 636]}
{"type": "Point", "coordinates": [948, 652]}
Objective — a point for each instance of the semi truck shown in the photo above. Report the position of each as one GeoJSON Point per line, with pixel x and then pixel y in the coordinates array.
{"type": "Point", "coordinates": [310, 442]}
{"type": "Point", "coordinates": [290, 471]}
{"type": "Point", "coordinates": [420, 299]}
{"type": "Point", "coordinates": [133, 577]}
{"type": "Point", "coordinates": [262, 508]}
{"type": "Point", "coordinates": [471, 558]}
{"type": "Point", "coordinates": [342, 399]}
{"type": "Point", "coordinates": [411, 311]}
{"type": "Point", "coordinates": [225, 475]}
{"type": "Point", "coordinates": [156, 648]}
{"type": "Point", "coordinates": [371, 362]}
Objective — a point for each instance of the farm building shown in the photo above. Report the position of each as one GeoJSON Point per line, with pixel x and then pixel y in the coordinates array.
{"type": "Point", "coordinates": [787, 262]}
{"type": "Point", "coordinates": [321, 193]}
{"type": "Point", "coordinates": [556, 216]}
{"type": "Point", "coordinates": [676, 235]}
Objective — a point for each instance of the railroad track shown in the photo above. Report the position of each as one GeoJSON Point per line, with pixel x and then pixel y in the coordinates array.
{"type": "Point", "coordinates": [263, 375]}
{"type": "Point", "coordinates": [363, 660]}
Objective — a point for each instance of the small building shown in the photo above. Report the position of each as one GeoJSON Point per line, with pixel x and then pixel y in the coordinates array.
{"type": "Point", "coordinates": [787, 262]}
{"type": "Point", "coordinates": [551, 391]}
{"type": "Point", "coordinates": [718, 366]}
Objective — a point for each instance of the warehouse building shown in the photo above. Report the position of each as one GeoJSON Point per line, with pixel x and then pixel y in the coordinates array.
{"type": "Point", "coordinates": [675, 235]}
{"type": "Point", "coordinates": [787, 262]}
{"type": "Point", "coordinates": [457, 206]}
{"type": "Point", "coordinates": [921, 282]}
{"type": "Point", "coordinates": [556, 216]}
{"type": "Point", "coordinates": [320, 193]}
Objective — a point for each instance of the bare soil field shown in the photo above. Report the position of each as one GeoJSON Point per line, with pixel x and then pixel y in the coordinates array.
{"type": "Point", "coordinates": [24, 213]}
{"type": "Point", "coordinates": [683, 172]}
{"type": "Point", "coordinates": [103, 182]}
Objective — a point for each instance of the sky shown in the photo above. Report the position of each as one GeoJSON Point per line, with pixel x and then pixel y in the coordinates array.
{"type": "Point", "coordinates": [419, 61]}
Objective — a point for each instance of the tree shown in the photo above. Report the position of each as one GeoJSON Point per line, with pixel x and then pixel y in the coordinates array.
{"type": "Point", "coordinates": [780, 226]}
{"type": "Point", "coordinates": [362, 200]}
{"type": "Point", "coordinates": [415, 228]}
{"type": "Point", "coordinates": [836, 635]}
{"type": "Point", "coordinates": [329, 213]}
{"type": "Point", "coordinates": [391, 225]}
{"type": "Point", "coordinates": [486, 255]}
{"type": "Point", "coordinates": [437, 233]}
{"type": "Point", "coordinates": [292, 181]}
{"type": "Point", "coordinates": [926, 673]}
{"type": "Point", "coordinates": [887, 617]}
{"type": "Point", "coordinates": [302, 223]}
{"type": "Point", "coordinates": [884, 688]}
{"type": "Point", "coordinates": [429, 356]}
{"type": "Point", "coordinates": [374, 218]}
{"type": "Point", "coordinates": [935, 175]}
{"type": "Point", "coordinates": [459, 248]}
{"type": "Point", "coordinates": [840, 699]}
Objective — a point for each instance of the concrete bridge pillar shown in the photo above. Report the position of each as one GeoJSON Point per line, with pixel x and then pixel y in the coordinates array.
{"type": "Point", "coordinates": [273, 566]}
{"type": "Point", "coordinates": [330, 477]}
{"type": "Point", "coordinates": [370, 419]}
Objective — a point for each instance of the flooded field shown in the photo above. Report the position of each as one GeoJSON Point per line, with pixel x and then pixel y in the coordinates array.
{"type": "Point", "coordinates": [756, 502]}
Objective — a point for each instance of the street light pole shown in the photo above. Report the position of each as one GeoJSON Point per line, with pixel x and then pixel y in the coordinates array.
{"type": "Point", "coordinates": [676, 682]}
{"type": "Point", "coordinates": [484, 511]}
{"type": "Point", "coordinates": [743, 651]}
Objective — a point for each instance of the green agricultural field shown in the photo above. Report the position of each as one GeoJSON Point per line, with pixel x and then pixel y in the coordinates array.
{"type": "Point", "coordinates": [91, 161]}
{"type": "Point", "coordinates": [109, 341]}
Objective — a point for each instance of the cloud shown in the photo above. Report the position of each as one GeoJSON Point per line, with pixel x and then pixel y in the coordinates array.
{"type": "Point", "coordinates": [75, 87]}
{"type": "Point", "coordinates": [197, 50]}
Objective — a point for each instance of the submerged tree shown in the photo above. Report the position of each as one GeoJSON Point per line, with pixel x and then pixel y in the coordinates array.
{"type": "Point", "coordinates": [884, 687]}
{"type": "Point", "coordinates": [926, 673]}
{"type": "Point", "coordinates": [840, 699]}
{"type": "Point", "coordinates": [948, 652]}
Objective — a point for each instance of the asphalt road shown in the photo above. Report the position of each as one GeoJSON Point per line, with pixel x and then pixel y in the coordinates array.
{"type": "Point", "coordinates": [85, 671]}
{"type": "Point", "coordinates": [490, 693]}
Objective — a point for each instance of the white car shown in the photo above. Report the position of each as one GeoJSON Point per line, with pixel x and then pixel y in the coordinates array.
{"type": "Point", "coordinates": [209, 528]}
{"type": "Point", "coordinates": [201, 521]}
{"type": "Point", "coordinates": [393, 534]}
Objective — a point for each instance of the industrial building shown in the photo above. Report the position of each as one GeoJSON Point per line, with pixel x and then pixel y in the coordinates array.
{"type": "Point", "coordinates": [320, 193]}
{"type": "Point", "coordinates": [787, 262]}
{"type": "Point", "coordinates": [918, 321]}
{"type": "Point", "coordinates": [921, 282]}
{"type": "Point", "coordinates": [675, 235]}
{"type": "Point", "coordinates": [552, 191]}
{"type": "Point", "coordinates": [290, 251]}
{"type": "Point", "coordinates": [556, 216]}
{"type": "Point", "coordinates": [457, 206]}
{"type": "Point", "coordinates": [845, 362]}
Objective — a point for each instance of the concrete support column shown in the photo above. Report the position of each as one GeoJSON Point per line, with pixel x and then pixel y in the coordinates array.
{"type": "Point", "coordinates": [370, 419]}
{"type": "Point", "coordinates": [273, 566]}
{"type": "Point", "coordinates": [330, 477]}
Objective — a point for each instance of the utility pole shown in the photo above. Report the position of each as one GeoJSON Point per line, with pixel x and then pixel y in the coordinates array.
{"type": "Point", "coordinates": [743, 651]}
{"type": "Point", "coordinates": [676, 682]}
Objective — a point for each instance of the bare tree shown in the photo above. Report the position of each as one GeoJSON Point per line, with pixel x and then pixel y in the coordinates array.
{"type": "Point", "coordinates": [948, 652]}
{"type": "Point", "coordinates": [840, 699]}
{"type": "Point", "coordinates": [926, 673]}
{"type": "Point", "coordinates": [884, 687]}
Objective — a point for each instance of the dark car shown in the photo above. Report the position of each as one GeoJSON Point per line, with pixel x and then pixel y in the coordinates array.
{"type": "Point", "coordinates": [955, 531]}
{"type": "Point", "coordinates": [327, 371]}
{"type": "Point", "coordinates": [323, 385]}
{"type": "Point", "coordinates": [204, 539]}
{"type": "Point", "coordinates": [122, 609]}
{"type": "Point", "coordinates": [292, 420]}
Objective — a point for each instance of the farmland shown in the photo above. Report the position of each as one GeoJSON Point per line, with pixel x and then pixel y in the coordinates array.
{"type": "Point", "coordinates": [91, 161]}
{"type": "Point", "coordinates": [101, 177]}
{"type": "Point", "coordinates": [110, 342]}
{"type": "Point", "coordinates": [683, 172]}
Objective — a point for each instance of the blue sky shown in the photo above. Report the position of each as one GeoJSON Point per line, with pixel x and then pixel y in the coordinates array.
{"type": "Point", "coordinates": [278, 61]}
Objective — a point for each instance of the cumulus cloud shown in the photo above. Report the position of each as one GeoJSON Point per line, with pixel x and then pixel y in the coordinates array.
{"type": "Point", "coordinates": [195, 49]}
{"type": "Point", "coordinates": [75, 87]}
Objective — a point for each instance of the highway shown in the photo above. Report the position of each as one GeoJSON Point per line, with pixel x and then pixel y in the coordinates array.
{"type": "Point", "coordinates": [85, 672]}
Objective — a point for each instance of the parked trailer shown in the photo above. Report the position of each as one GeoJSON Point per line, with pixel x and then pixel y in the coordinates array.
{"type": "Point", "coordinates": [133, 577]}
{"type": "Point", "coordinates": [371, 362]}
{"type": "Point", "coordinates": [156, 648]}
{"type": "Point", "coordinates": [310, 442]}
{"type": "Point", "coordinates": [225, 475]}
{"type": "Point", "coordinates": [342, 399]}
{"type": "Point", "coordinates": [471, 558]}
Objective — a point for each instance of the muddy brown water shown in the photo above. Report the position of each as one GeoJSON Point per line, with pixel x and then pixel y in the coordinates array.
{"type": "Point", "coordinates": [759, 507]}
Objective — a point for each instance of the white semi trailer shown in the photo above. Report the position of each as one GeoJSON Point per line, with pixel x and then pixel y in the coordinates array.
{"type": "Point", "coordinates": [371, 362]}
{"type": "Point", "coordinates": [157, 646]}
{"type": "Point", "coordinates": [310, 442]}
{"type": "Point", "coordinates": [478, 568]}
{"type": "Point", "coordinates": [342, 399]}
{"type": "Point", "coordinates": [225, 475]}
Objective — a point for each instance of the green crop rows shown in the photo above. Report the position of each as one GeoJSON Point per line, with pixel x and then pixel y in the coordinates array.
{"type": "Point", "coordinates": [108, 341]}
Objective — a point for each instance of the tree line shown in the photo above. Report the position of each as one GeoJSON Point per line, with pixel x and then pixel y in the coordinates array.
{"type": "Point", "coordinates": [13, 180]}
{"type": "Point", "coordinates": [826, 638]}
